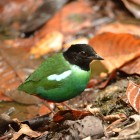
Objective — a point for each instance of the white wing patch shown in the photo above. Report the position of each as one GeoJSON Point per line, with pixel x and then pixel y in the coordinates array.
{"type": "Point", "coordinates": [59, 77]}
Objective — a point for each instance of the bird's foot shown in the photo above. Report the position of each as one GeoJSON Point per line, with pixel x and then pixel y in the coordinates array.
{"type": "Point", "coordinates": [60, 106]}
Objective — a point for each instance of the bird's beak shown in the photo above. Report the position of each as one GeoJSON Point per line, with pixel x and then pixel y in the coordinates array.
{"type": "Point", "coordinates": [96, 57]}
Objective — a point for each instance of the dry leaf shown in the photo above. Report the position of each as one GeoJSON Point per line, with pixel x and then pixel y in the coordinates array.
{"type": "Point", "coordinates": [116, 49]}
{"type": "Point", "coordinates": [133, 95]}
{"type": "Point", "coordinates": [13, 70]}
{"type": "Point", "coordinates": [71, 19]}
{"type": "Point", "coordinates": [11, 78]}
{"type": "Point", "coordinates": [52, 42]}
{"type": "Point", "coordinates": [132, 128]}
{"type": "Point", "coordinates": [66, 21]}
{"type": "Point", "coordinates": [120, 28]}
{"type": "Point", "coordinates": [132, 67]}
{"type": "Point", "coordinates": [43, 110]}
{"type": "Point", "coordinates": [136, 1]}
{"type": "Point", "coordinates": [13, 9]}
{"type": "Point", "coordinates": [134, 8]}
{"type": "Point", "coordinates": [81, 40]}
{"type": "Point", "coordinates": [3, 97]}
{"type": "Point", "coordinates": [25, 130]}
{"type": "Point", "coordinates": [70, 115]}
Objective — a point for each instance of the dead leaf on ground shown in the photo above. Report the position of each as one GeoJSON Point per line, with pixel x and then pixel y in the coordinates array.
{"type": "Point", "coordinates": [13, 70]}
{"type": "Point", "coordinates": [71, 19]}
{"type": "Point", "coordinates": [43, 109]}
{"type": "Point", "coordinates": [133, 6]}
{"type": "Point", "coordinates": [52, 42]}
{"type": "Point", "coordinates": [133, 95]}
{"type": "Point", "coordinates": [14, 9]}
{"type": "Point", "coordinates": [116, 49]}
{"type": "Point", "coordinates": [45, 12]}
{"type": "Point", "coordinates": [118, 27]}
{"type": "Point", "coordinates": [81, 40]}
{"type": "Point", "coordinates": [68, 21]}
{"type": "Point", "coordinates": [132, 67]}
{"type": "Point", "coordinates": [131, 128]}
{"type": "Point", "coordinates": [136, 1]}
{"type": "Point", "coordinates": [70, 115]}
{"type": "Point", "coordinates": [25, 130]}
{"type": "Point", "coordinates": [10, 79]}
{"type": "Point", "coordinates": [3, 97]}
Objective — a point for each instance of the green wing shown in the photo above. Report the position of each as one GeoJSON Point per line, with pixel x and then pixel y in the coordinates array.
{"type": "Point", "coordinates": [38, 79]}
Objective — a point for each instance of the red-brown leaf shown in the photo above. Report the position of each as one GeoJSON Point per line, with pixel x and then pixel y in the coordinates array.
{"type": "Point", "coordinates": [132, 67]}
{"type": "Point", "coordinates": [133, 95]}
{"type": "Point", "coordinates": [116, 49]}
{"type": "Point", "coordinates": [70, 115]}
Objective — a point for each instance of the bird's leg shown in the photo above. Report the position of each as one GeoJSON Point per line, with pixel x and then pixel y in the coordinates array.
{"type": "Point", "coordinates": [65, 104]}
{"type": "Point", "coordinates": [57, 105]}
{"type": "Point", "coordinates": [48, 106]}
{"type": "Point", "coordinates": [60, 106]}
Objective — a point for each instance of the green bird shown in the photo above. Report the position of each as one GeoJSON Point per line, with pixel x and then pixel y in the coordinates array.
{"type": "Point", "coordinates": [62, 76]}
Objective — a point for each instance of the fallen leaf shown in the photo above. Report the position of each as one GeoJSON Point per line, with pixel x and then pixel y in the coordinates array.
{"type": "Point", "coordinates": [118, 27]}
{"type": "Point", "coordinates": [52, 42]}
{"type": "Point", "coordinates": [132, 67]}
{"type": "Point", "coordinates": [70, 115]}
{"type": "Point", "coordinates": [3, 97]}
{"type": "Point", "coordinates": [69, 20]}
{"type": "Point", "coordinates": [133, 7]}
{"type": "Point", "coordinates": [45, 12]}
{"type": "Point", "coordinates": [136, 1]}
{"type": "Point", "coordinates": [131, 128]}
{"type": "Point", "coordinates": [13, 9]}
{"type": "Point", "coordinates": [116, 49]}
{"type": "Point", "coordinates": [25, 130]}
{"type": "Point", "coordinates": [10, 77]}
{"type": "Point", "coordinates": [13, 70]}
{"type": "Point", "coordinates": [106, 82]}
{"type": "Point", "coordinates": [66, 21]}
{"type": "Point", "coordinates": [43, 110]}
{"type": "Point", "coordinates": [81, 40]}
{"type": "Point", "coordinates": [133, 95]}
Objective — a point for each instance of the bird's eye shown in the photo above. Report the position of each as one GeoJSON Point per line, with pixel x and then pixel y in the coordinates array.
{"type": "Point", "coordinates": [83, 53]}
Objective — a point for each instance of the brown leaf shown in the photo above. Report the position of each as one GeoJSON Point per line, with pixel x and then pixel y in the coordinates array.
{"type": "Point", "coordinates": [81, 40]}
{"type": "Point", "coordinates": [25, 130]}
{"type": "Point", "coordinates": [10, 79]}
{"type": "Point", "coordinates": [136, 1]}
{"type": "Point", "coordinates": [13, 9]}
{"type": "Point", "coordinates": [132, 67]}
{"type": "Point", "coordinates": [66, 21]}
{"type": "Point", "coordinates": [116, 49]}
{"type": "Point", "coordinates": [52, 42]}
{"type": "Point", "coordinates": [13, 70]}
{"type": "Point", "coordinates": [69, 20]}
{"type": "Point", "coordinates": [43, 110]}
{"type": "Point", "coordinates": [70, 115]}
{"type": "Point", "coordinates": [118, 27]}
{"type": "Point", "coordinates": [132, 7]}
{"type": "Point", "coordinates": [111, 76]}
{"type": "Point", "coordinates": [131, 128]}
{"type": "Point", "coordinates": [133, 95]}
{"type": "Point", "coordinates": [3, 97]}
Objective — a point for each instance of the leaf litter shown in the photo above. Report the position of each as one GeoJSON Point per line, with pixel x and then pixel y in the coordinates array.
{"type": "Point", "coordinates": [110, 115]}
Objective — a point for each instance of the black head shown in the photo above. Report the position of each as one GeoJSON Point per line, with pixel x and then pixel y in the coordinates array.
{"type": "Point", "coordinates": [81, 55]}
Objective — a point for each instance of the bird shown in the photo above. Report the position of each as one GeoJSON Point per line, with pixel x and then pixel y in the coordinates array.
{"type": "Point", "coordinates": [62, 76]}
